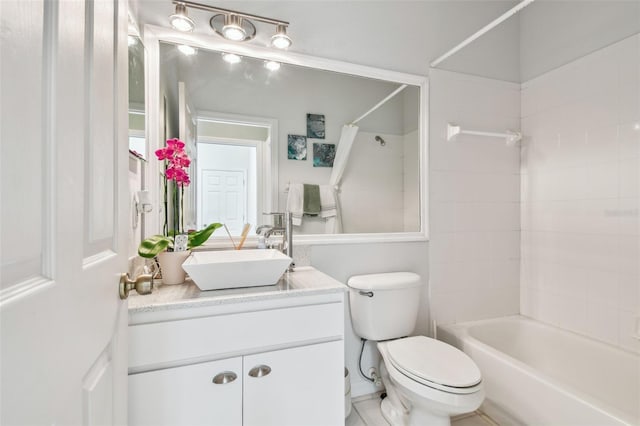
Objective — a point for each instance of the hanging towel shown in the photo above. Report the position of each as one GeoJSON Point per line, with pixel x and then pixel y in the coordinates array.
{"type": "Point", "coordinates": [295, 202]}
{"type": "Point", "coordinates": [327, 201]}
{"type": "Point", "coordinates": [311, 203]}
{"type": "Point", "coordinates": [329, 208]}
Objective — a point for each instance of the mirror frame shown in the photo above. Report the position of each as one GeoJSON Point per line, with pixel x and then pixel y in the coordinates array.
{"type": "Point", "coordinates": [153, 35]}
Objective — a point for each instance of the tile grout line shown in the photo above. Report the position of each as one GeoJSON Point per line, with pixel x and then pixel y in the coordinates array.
{"type": "Point", "coordinates": [486, 418]}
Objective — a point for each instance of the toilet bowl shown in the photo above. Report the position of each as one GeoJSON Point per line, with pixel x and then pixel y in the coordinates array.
{"type": "Point", "coordinates": [426, 380]}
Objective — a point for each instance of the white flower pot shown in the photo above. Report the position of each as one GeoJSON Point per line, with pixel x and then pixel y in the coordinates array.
{"type": "Point", "coordinates": [171, 266]}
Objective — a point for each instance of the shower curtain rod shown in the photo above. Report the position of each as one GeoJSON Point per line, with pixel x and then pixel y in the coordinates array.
{"type": "Point", "coordinates": [379, 104]}
{"type": "Point", "coordinates": [508, 14]}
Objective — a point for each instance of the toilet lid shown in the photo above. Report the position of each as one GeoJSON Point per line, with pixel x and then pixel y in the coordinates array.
{"type": "Point", "coordinates": [434, 361]}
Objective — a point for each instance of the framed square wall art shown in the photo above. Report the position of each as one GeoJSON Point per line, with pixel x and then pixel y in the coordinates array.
{"type": "Point", "coordinates": [315, 126]}
{"type": "Point", "coordinates": [297, 147]}
{"type": "Point", "coordinates": [323, 154]}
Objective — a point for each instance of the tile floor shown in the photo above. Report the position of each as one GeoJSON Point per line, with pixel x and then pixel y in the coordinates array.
{"type": "Point", "coordinates": [366, 412]}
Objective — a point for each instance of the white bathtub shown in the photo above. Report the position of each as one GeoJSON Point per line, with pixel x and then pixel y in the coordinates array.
{"type": "Point", "coordinates": [535, 374]}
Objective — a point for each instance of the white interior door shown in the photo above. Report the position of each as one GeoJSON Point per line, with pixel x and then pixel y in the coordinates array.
{"type": "Point", "coordinates": [224, 198]}
{"type": "Point", "coordinates": [63, 220]}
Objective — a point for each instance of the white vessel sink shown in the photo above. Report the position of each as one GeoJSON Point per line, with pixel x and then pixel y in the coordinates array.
{"type": "Point", "coordinates": [214, 270]}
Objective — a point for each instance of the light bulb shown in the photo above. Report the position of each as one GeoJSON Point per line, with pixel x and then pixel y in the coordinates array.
{"type": "Point", "coordinates": [232, 29]}
{"type": "Point", "coordinates": [231, 58]}
{"type": "Point", "coordinates": [187, 50]}
{"type": "Point", "coordinates": [180, 21]}
{"type": "Point", "coordinates": [280, 39]}
{"type": "Point", "coordinates": [272, 65]}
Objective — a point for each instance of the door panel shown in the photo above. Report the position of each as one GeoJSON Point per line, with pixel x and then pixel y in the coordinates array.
{"type": "Point", "coordinates": [304, 387]}
{"type": "Point", "coordinates": [187, 395]}
{"type": "Point", "coordinates": [64, 217]}
{"type": "Point", "coordinates": [224, 195]}
{"type": "Point", "coordinates": [24, 144]}
{"type": "Point", "coordinates": [100, 132]}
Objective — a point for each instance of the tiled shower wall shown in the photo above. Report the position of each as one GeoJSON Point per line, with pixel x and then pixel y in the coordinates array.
{"type": "Point", "coordinates": [580, 190]}
{"type": "Point", "coordinates": [474, 187]}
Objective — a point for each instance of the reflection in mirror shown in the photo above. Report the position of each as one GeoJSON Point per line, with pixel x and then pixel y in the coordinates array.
{"type": "Point", "coordinates": [137, 142]}
{"type": "Point", "coordinates": [367, 176]}
{"type": "Point", "coordinates": [233, 157]}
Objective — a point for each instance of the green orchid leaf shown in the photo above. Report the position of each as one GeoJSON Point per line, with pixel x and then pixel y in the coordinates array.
{"type": "Point", "coordinates": [200, 237]}
{"type": "Point", "coordinates": [150, 247]}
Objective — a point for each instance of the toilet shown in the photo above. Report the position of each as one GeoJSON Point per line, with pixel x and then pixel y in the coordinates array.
{"type": "Point", "coordinates": [427, 381]}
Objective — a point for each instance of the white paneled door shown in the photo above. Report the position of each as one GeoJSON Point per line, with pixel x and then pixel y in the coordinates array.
{"type": "Point", "coordinates": [64, 195]}
{"type": "Point", "coordinates": [224, 198]}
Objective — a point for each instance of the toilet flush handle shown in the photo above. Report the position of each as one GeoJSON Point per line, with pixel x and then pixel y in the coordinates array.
{"type": "Point", "coordinates": [365, 293]}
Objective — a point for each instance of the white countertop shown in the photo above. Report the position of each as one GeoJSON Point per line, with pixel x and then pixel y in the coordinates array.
{"type": "Point", "coordinates": [305, 280]}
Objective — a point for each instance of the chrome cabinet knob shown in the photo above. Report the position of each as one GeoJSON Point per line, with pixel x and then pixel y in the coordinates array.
{"type": "Point", "coordinates": [224, 377]}
{"type": "Point", "coordinates": [259, 371]}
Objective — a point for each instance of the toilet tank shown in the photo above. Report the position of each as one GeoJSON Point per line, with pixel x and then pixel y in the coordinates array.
{"type": "Point", "coordinates": [384, 306]}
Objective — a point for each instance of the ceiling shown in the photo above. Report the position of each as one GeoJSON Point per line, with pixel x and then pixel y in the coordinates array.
{"type": "Point", "coordinates": [406, 35]}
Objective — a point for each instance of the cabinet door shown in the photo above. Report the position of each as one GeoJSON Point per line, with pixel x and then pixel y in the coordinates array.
{"type": "Point", "coordinates": [298, 386]}
{"type": "Point", "coordinates": [188, 395]}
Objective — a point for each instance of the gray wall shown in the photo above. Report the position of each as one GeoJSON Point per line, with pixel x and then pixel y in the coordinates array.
{"type": "Point", "coordinates": [554, 33]}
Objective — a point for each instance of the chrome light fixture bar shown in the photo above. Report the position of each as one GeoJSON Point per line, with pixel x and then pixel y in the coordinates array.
{"type": "Point", "coordinates": [231, 24]}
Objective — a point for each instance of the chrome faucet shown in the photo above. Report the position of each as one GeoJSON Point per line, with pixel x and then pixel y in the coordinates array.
{"type": "Point", "coordinates": [282, 225]}
{"type": "Point", "coordinates": [262, 228]}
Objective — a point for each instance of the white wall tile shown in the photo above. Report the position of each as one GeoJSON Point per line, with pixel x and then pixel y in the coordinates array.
{"type": "Point", "coordinates": [629, 178]}
{"type": "Point", "coordinates": [602, 180]}
{"type": "Point", "coordinates": [475, 200]}
{"type": "Point", "coordinates": [629, 216]}
{"type": "Point", "coordinates": [504, 245]}
{"type": "Point", "coordinates": [443, 214]}
{"type": "Point", "coordinates": [629, 140]}
{"type": "Point", "coordinates": [580, 265]}
{"type": "Point", "coordinates": [601, 143]}
{"type": "Point", "coordinates": [629, 292]}
{"type": "Point", "coordinates": [628, 331]}
{"type": "Point", "coordinates": [603, 322]}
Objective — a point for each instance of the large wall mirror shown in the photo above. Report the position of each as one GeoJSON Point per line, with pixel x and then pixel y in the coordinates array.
{"type": "Point", "coordinates": [266, 140]}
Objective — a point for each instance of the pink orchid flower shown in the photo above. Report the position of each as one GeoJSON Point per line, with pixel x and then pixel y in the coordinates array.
{"type": "Point", "coordinates": [175, 144]}
{"type": "Point", "coordinates": [164, 153]}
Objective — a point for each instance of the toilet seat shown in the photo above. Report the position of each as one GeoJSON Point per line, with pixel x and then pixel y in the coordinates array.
{"type": "Point", "coordinates": [434, 363]}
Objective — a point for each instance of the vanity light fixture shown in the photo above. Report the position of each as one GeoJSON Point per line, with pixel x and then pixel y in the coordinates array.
{"type": "Point", "coordinates": [231, 58]}
{"type": "Point", "coordinates": [179, 20]}
{"type": "Point", "coordinates": [231, 24]}
{"type": "Point", "coordinates": [187, 50]}
{"type": "Point", "coordinates": [272, 65]}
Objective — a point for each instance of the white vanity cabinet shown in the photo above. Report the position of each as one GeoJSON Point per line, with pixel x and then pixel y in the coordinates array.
{"type": "Point", "coordinates": [274, 362]}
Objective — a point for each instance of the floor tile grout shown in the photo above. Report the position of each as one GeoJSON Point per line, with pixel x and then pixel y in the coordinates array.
{"type": "Point", "coordinates": [363, 407]}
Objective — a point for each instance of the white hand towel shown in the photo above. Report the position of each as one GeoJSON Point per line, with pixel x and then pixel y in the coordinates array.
{"type": "Point", "coordinates": [295, 202]}
{"type": "Point", "coordinates": [328, 206]}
